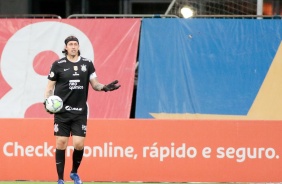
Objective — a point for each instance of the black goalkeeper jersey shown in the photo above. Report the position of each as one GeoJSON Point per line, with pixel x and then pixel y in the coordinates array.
{"type": "Point", "coordinates": [72, 81]}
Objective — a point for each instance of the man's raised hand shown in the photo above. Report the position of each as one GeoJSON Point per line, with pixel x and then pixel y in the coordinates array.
{"type": "Point", "coordinates": [112, 86]}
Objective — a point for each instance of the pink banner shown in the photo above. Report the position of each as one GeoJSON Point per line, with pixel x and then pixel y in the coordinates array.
{"type": "Point", "coordinates": [29, 46]}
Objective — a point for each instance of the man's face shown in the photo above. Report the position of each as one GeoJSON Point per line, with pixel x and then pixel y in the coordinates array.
{"type": "Point", "coordinates": [72, 47]}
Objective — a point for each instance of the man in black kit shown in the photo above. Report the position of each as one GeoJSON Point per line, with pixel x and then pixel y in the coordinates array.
{"type": "Point", "coordinates": [69, 79]}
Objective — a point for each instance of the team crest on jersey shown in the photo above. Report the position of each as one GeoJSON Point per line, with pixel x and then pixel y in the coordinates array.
{"type": "Point", "coordinates": [83, 68]}
{"type": "Point", "coordinates": [56, 127]}
{"type": "Point", "coordinates": [75, 68]}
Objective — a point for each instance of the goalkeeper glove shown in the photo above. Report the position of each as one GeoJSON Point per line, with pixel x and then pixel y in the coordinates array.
{"type": "Point", "coordinates": [112, 86]}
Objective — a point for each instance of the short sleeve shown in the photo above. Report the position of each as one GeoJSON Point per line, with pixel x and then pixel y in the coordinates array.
{"type": "Point", "coordinates": [52, 74]}
{"type": "Point", "coordinates": [92, 69]}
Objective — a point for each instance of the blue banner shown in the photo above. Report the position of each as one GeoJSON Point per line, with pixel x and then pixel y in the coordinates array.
{"type": "Point", "coordinates": [204, 67]}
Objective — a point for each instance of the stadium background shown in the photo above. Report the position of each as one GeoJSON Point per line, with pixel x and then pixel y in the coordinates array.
{"type": "Point", "coordinates": [199, 96]}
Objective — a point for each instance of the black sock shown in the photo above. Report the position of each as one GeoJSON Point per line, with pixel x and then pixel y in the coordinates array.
{"type": "Point", "coordinates": [60, 163]}
{"type": "Point", "coordinates": [76, 159]}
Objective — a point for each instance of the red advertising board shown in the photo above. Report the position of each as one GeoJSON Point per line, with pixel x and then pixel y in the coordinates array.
{"type": "Point", "coordinates": [28, 47]}
{"type": "Point", "coordinates": [148, 150]}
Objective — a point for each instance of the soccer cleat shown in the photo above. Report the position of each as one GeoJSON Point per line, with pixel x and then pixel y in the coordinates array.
{"type": "Point", "coordinates": [75, 178]}
{"type": "Point", "coordinates": [61, 182]}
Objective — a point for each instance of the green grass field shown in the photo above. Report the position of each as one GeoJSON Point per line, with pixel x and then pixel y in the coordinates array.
{"type": "Point", "coordinates": [70, 182]}
{"type": "Point", "coordinates": [35, 182]}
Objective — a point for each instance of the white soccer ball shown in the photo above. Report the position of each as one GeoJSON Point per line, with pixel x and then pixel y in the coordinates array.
{"type": "Point", "coordinates": [54, 104]}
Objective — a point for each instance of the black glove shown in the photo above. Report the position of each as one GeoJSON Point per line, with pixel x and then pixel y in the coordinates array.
{"type": "Point", "coordinates": [44, 103]}
{"type": "Point", "coordinates": [110, 87]}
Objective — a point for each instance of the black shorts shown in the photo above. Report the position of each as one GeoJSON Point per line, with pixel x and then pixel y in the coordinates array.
{"type": "Point", "coordinates": [66, 124]}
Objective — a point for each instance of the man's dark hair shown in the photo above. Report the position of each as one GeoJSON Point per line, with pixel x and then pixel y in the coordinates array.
{"type": "Point", "coordinates": [67, 40]}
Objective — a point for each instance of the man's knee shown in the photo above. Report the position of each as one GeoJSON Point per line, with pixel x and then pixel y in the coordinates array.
{"type": "Point", "coordinates": [78, 142]}
{"type": "Point", "coordinates": [61, 142]}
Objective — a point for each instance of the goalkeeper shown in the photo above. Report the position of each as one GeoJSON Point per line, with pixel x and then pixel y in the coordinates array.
{"type": "Point", "coordinates": [69, 79]}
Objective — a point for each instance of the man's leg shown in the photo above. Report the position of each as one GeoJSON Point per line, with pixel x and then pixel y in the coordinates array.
{"type": "Point", "coordinates": [78, 131]}
{"type": "Point", "coordinates": [61, 145]}
{"type": "Point", "coordinates": [78, 143]}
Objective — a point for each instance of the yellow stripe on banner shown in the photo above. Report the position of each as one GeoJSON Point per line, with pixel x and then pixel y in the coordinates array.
{"type": "Point", "coordinates": [268, 102]}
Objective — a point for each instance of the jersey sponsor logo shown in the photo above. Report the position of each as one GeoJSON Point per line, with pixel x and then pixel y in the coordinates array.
{"type": "Point", "coordinates": [74, 81]}
{"type": "Point", "coordinates": [75, 68]}
{"type": "Point", "coordinates": [83, 68]}
{"type": "Point", "coordinates": [69, 108]}
{"type": "Point", "coordinates": [66, 69]}
{"type": "Point", "coordinates": [74, 84]}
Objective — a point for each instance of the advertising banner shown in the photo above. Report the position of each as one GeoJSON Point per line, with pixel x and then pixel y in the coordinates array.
{"type": "Point", "coordinates": [28, 47]}
{"type": "Point", "coordinates": [148, 151]}
{"type": "Point", "coordinates": [210, 69]}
